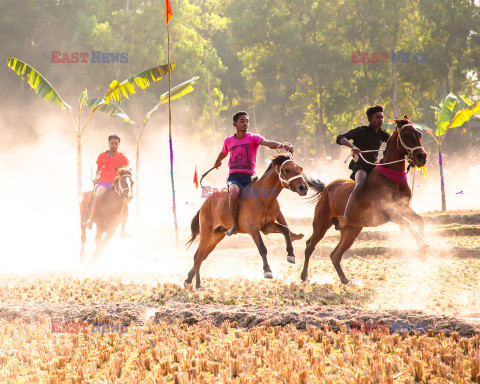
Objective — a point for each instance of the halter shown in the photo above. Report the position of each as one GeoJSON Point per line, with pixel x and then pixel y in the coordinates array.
{"type": "Point", "coordinates": [118, 186]}
{"type": "Point", "coordinates": [409, 150]}
{"type": "Point", "coordinates": [286, 182]}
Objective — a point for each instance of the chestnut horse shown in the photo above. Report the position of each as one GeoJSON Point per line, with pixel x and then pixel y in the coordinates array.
{"type": "Point", "coordinates": [258, 209]}
{"type": "Point", "coordinates": [385, 198]}
{"type": "Point", "coordinates": [111, 209]}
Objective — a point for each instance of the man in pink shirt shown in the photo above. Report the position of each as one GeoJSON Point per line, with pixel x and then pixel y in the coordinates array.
{"type": "Point", "coordinates": [243, 147]}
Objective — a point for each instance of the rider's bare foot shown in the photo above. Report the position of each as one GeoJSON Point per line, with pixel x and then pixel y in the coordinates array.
{"type": "Point", "coordinates": [232, 231]}
{"type": "Point", "coordinates": [296, 236]}
{"type": "Point", "coordinates": [342, 221]}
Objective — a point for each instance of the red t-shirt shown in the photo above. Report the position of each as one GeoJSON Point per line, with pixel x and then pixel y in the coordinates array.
{"type": "Point", "coordinates": [243, 153]}
{"type": "Point", "coordinates": [106, 165]}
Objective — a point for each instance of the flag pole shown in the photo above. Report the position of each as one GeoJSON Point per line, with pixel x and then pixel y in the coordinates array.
{"type": "Point", "coordinates": [174, 208]}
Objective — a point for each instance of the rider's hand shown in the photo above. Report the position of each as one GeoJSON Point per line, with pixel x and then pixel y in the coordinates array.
{"type": "Point", "coordinates": [218, 164]}
{"type": "Point", "coordinates": [356, 151]}
{"type": "Point", "coordinates": [289, 147]}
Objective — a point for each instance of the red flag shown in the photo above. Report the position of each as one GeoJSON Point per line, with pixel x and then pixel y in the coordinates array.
{"type": "Point", "coordinates": [195, 176]}
{"type": "Point", "coordinates": [168, 11]}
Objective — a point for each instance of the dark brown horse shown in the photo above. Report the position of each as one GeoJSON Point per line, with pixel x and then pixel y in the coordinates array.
{"type": "Point", "coordinates": [258, 209]}
{"type": "Point", "coordinates": [112, 208]}
{"type": "Point", "coordinates": [382, 200]}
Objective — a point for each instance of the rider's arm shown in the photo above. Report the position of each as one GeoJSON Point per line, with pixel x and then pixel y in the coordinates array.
{"type": "Point", "coordinates": [344, 140]}
{"type": "Point", "coordinates": [220, 157]}
{"type": "Point", "coordinates": [275, 145]}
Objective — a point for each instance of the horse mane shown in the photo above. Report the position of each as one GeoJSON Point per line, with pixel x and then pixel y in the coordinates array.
{"type": "Point", "coordinates": [122, 172]}
{"type": "Point", "coordinates": [276, 160]}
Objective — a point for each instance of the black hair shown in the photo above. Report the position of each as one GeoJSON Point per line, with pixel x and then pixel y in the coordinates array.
{"type": "Point", "coordinates": [238, 114]}
{"type": "Point", "coordinates": [114, 136]}
{"type": "Point", "coordinates": [374, 109]}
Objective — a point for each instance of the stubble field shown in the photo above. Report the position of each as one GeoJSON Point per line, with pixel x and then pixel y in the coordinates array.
{"type": "Point", "coordinates": [404, 319]}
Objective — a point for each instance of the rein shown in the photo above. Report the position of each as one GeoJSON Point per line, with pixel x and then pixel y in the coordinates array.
{"type": "Point", "coordinates": [408, 156]}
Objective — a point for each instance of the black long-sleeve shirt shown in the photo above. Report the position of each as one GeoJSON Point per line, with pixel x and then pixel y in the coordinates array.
{"type": "Point", "coordinates": [365, 139]}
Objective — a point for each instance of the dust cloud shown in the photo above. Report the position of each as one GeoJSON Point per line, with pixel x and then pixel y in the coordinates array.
{"type": "Point", "coordinates": [40, 217]}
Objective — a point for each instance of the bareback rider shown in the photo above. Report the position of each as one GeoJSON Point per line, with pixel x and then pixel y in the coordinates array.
{"type": "Point", "coordinates": [364, 138]}
{"type": "Point", "coordinates": [107, 164]}
{"type": "Point", "coordinates": [243, 147]}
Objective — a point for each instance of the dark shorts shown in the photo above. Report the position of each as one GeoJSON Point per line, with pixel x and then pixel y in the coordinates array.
{"type": "Point", "coordinates": [241, 179]}
{"type": "Point", "coordinates": [360, 165]}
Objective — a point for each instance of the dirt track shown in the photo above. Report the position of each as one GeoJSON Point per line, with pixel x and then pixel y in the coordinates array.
{"type": "Point", "coordinates": [391, 286]}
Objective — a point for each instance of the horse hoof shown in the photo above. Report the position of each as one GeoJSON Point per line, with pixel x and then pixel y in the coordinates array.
{"type": "Point", "coordinates": [291, 259]}
{"type": "Point", "coordinates": [268, 275]}
{"type": "Point", "coordinates": [295, 236]}
{"type": "Point", "coordinates": [200, 288]}
{"type": "Point", "coordinates": [187, 285]}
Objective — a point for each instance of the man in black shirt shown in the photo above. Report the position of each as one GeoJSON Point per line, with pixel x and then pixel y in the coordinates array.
{"type": "Point", "coordinates": [364, 139]}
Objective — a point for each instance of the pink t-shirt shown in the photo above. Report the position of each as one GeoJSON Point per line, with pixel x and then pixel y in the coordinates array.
{"type": "Point", "coordinates": [243, 153]}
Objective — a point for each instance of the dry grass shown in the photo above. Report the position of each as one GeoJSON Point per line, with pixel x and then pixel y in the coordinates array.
{"type": "Point", "coordinates": [175, 352]}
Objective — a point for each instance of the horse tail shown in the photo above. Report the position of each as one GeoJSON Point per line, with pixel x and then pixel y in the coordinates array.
{"type": "Point", "coordinates": [195, 227]}
{"type": "Point", "coordinates": [318, 186]}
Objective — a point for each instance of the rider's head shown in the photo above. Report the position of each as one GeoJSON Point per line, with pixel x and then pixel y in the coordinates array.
{"type": "Point", "coordinates": [240, 122]}
{"type": "Point", "coordinates": [375, 115]}
{"type": "Point", "coordinates": [113, 142]}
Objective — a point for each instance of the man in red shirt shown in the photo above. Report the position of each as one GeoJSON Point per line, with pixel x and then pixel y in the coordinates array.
{"type": "Point", "coordinates": [107, 164]}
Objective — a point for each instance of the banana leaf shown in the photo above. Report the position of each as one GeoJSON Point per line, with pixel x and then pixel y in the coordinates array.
{"type": "Point", "coordinates": [463, 115]}
{"type": "Point", "coordinates": [37, 82]}
{"type": "Point", "coordinates": [82, 100]}
{"type": "Point", "coordinates": [142, 80]}
{"type": "Point", "coordinates": [443, 116]}
{"type": "Point", "coordinates": [111, 108]}
{"type": "Point", "coordinates": [176, 92]}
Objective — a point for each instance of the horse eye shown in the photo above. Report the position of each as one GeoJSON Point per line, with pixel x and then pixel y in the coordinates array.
{"type": "Point", "coordinates": [287, 170]}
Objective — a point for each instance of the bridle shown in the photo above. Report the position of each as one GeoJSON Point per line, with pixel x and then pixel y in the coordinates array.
{"type": "Point", "coordinates": [119, 189]}
{"type": "Point", "coordinates": [286, 182]}
{"type": "Point", "coordinates": [410, 150]}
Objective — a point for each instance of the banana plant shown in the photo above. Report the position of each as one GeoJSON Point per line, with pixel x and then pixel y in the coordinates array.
{"type": "Point", "coordinates": [446, 119]}
{"type": "Point", "coordinates": [175, 93]}
{"type": "Point", "coordinates": [117, 90]}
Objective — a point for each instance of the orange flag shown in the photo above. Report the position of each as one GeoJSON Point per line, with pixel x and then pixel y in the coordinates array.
{"type": "Point", "coordinates": [195, 176]}
{"type": "Point", "coordinates": [168, 11]}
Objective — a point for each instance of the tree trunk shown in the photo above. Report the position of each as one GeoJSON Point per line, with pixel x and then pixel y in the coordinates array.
{"type": "Point", "coordinates": [447, 82]}
{"type": "Point", "coordinates": [79, 168]}
{"type": "Point", "coordinates": [394, 64]}
{"type": "Point", "coordinates": [210, 99]}
{"type": "Point", "coordinates": [442, 180]}
{"type": "Point", "coordinates": [137, 189]}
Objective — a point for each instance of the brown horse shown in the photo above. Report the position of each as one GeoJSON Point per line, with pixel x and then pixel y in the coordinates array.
{"type": "Point", "coordinates": [258, 209]}
{"type": "Point", "coordinates": [382, 200]}
{"type": "Point", "coordinates": [112, 207]}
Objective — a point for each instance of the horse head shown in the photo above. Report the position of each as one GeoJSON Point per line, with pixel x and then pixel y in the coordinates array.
{"type": "Point", "coordinates": [124, 184]}
{"type": "Point", "coordinates": [290, 174]}
{"type": "Point", "coordinates": [409, 142]}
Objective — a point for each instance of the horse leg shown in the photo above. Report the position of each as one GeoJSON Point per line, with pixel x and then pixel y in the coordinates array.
{"type": "Point", "coordinates": [190, 275]}
{"type": "Point", "coordinates": [410, 214]}
{"type": "Point", "coordinates": [257, 238]}
{"type": "Point", "coordinates": [208, 241]}
{"type": "Point", "coordinates": [278, 228]}
{"type": "Point", "coordinates": [321, 222]}
{"type": "Point", "coordinates": [98, 243]}
{"type": "Point", "coordinates": [83, 239]}
{"type": "Point", "coordinates": [404, 223]}
{"type": "Point", "coordinates": [347, 237]}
